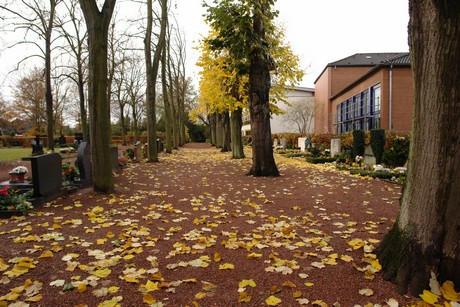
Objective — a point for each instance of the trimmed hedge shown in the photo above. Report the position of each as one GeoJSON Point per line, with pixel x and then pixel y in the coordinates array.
{"type": "Point", "coordinates": [378, 144]}
{"type": "Point", "coordinates": [322, 160]}
{"type": "Point", "coordinates": [359, 143]}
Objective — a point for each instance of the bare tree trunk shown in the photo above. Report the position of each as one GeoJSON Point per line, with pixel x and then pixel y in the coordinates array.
{"type": "Point", "coordinates": [212, 128]}
{"type": "Point", "coordinates": [236, 120]}
{"type": "Point", "coordinates": [426, 235]}
{"type": "Point", "coordinates": [219, 131]}
{"type": "Point", "coordinates": [49, 92]}
{"type": "Point", "coordinates": [167, 105]}
{"type": "Point", "coordinates": [263, 162]}
{"type": "Point", "coordinates": [99, 104]}
{"type": "Point", "coordinates": [152, 73]}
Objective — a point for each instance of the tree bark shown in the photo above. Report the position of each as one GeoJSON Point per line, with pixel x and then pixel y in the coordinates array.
{"type": "Point", "coordinates": [167, 106]}
{"type": "Point", "coordinates": [226, 133]}
{"type": "Point", "coordinates": [236, 123]}
{"type": "Point", "coordinates": [48, 92]}
{"type": "Point", "coordinates": [263, 162]}
{"type": "Point", "coordinates": [99, 104]}
{"type": "Point", "coordinates": [219, 131]}
{"type": "Point", "coordinates": [426, 236]}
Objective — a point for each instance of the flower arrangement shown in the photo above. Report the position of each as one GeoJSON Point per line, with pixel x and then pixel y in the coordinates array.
{"type": "Point", "coordinates": [359, 160]}
{"type": "Point", "coordinates": [122, 161]}
{"type": "Point", "coordinates": [12, 200]}
{"type": "Point", "coordinates": [69, 172]}
{"type": "Point", "coordinates": [19, 170]}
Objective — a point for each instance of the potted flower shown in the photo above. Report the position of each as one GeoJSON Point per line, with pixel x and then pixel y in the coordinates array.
{"type": "Point", "coordinates": [12, 201]}
{"type": "Point", "coordinates": [359, 160]}
{"type": "Point", "coordinates": [18, 173]}
{"type": "Point", "coordinates": [70, 172]}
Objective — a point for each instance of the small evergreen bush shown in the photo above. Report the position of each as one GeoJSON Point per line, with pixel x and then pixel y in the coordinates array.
{"type": "Point", "coordinates": [359, 143]}
{"type": "Point", "coordinates": [378, 144]}
{"type": "Point", "coordinates": [398, 154]}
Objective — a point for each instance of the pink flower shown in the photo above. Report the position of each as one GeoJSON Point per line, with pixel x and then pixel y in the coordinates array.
{"type": "Point", "coordinates": [4, 191]}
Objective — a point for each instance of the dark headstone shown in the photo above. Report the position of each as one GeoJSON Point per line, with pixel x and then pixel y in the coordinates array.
{"type": "Point", "coordinates": [79, 136]}
{"type": "Point", "coordinates": [84, 163]}
{"type": "Point", "coordinates": [137, 152]}
{"type": "Point", "coordinates": [62, 140]}
{"type": "Point", "coordinates": [46, 175]}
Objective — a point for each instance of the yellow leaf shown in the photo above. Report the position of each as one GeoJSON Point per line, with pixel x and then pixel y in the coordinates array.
{"type": "Point", "coordinates": [192, 280]}
{"type": "Point", "coordinates": [448, 291]}
{"type": "Point", "coordinates": [128, 257]}
{"type": "Point", "coordinates": [297, 294]}
{"type": "Point", "coordinates": [46, 254]}
{"type": "Point", "coordinates": [101, 241]}
{"type": "Point", "coordinates": [150, 286]}
{"type": "Point", "coordinates": [319, 303]}
{"type": "Point", "coordinates": [346, 258]}
{"type": "Point", "coordinates": [356, 243]}
{"type": "Point", "coordinates": [243, 297]}
{"type": "Point", "coordinates": [81, 287]}
{"type": "Point", "coordinates": [246, 282]}
{"type": "Point", "coordinates": [200, 295]}
{"type": "Point", "coordinates": [254, 256]}
{"type": "Point", "coordinates": [272, 301]}
{"type": "Point", "coordinates": [34, 298]}
{"type": "Point", "coordinates": [226, 266]}
{"type": "Point", "coordinates": [309, 284]}
{"type": "Point", "coordinates": [149, 299]}
{"type": "Point", "coordinates": [289, 284]}
{"type": "Point", "coordinates": [3, 265]}
{"type": "Point", "coordinates": [113, 289]}
{"type": "Point", "coordinates": [102, 272]}
{"type": "Point", "coordinates": [429, 297]}
{"type": "Point", "coordinates": [111, 303]}
{"type": "Point", "coordinates": [10, 296]}
{"type": "Point", "coordinates": [376, 265]}
{"type": "Point", "coordinates": [217, 257]}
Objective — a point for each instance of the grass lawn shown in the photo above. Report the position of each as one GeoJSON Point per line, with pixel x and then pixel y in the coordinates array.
{"type": "Point", "coordinates": [11, 154]}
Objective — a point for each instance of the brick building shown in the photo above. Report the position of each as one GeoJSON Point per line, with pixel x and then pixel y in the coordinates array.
{"type": "Point", "coordinates": [365, 91]}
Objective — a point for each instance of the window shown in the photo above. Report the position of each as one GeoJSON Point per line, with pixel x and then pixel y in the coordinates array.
{"type": "Point", "coordinates": [361, 111]}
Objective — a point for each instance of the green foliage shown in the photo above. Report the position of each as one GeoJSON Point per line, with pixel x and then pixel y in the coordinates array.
{"type": "Point", "coordinates": [297, 154]}
{"type": "Point", "coordinates": [318, 160]}
{"type": "Point", "coordinates": [129, 152]}
{"type": "Point", "coordinates": [359, 143]}
{"type": "Point", "coordinates": [378, 144]}
{"type": "Point", "coordinates": [14, 200]}
{"type": "Point", "coordinates": [11, 154]}
{"type": "Point", "coordinates": [398, 153]}
{"type": "Point", "coordinates": [69, 172]}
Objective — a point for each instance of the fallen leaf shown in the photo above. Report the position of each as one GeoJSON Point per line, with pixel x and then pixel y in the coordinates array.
{"type": "Point", "coordinates": [366, 292]}
{"type": "Point", "coordinates": [273, 301]}
{"type": "Point", "coordinates": [429, 297]}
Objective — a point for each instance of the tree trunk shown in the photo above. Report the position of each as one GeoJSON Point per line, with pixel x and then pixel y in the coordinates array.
{"type": "Point", "coordinates": [226, 142]}
{"type": "Point", "coordinates": [219, 131]}
{"type": "Point", "coordinates": [167, 106]}
{"type": "Point", "coordinates": [99, 106]}
{"type": "Point", "coordinates": [83, 114]}
{"type": "Point", "coordinates": [426, 235]}
{"type": "Point", "coordinates": [236, 122]}
{"type": "Point", "coordinates": [152, 73]}
{"type": "Point", "coordinates": [263, 162]}
{"type": "Point", "coordinates": [49, 94]}
{"type": "Point", "coordinates": [212, 128]}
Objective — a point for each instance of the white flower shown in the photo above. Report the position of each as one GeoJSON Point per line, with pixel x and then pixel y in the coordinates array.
{"type": "Point", "coordinates": [359, 158]}
{"type": "Point", "coordinates": [19, 170]}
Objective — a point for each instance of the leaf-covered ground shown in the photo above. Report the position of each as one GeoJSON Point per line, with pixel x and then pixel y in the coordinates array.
{"type": "Point", "coordinates": [194, 230]}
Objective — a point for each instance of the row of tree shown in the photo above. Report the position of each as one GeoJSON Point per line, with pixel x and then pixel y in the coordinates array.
{"type": "Point", "coordinates": [85, 54]}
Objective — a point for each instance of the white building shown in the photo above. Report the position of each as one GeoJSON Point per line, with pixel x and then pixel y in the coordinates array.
{"type": "Point", "coordinates": [298, 114]}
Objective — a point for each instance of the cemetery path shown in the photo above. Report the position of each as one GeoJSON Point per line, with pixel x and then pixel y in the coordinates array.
{"type": "Point", "coordinates": [194, 230]}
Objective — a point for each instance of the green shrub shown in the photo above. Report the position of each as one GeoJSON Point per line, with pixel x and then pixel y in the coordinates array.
{"type": "Point", "coordinates": [398, 153]}
{"type": "Point", "coordinates": [378, 144]}
{"type": "Point", "coordinates": [297, 154]}
{"type": "Point", "coordinates": [319, 160]}
{"type": "Point", "coordinates": [130, 153]}
{"type": "Point", "coordinates": [359, 143]}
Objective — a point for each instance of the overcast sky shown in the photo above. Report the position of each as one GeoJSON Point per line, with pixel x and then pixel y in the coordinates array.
{"type": "Point", "coordinates": [322, 31]}
{"type": "Point", "coordinates": [319, 31]}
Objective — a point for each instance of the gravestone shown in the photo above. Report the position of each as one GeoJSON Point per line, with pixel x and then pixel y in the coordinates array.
{"type": "Point", "coordinates": [275, 143]}
{"type": "Point", "coordinates": [137, 152]}
{"type": "Point", "coordinates": [114, 157]}
{"type": "Point", "coordinates": [37, 146]}
{"type": "Point", "coordinates": [284, 143]}
{"type": "Point", "coordinates": [335, 147]}
{"type": "Point", "coordinates": [62, 140]}
{"type": "Point", "coordinates": [369, 158]}
{"type": "Point", "coordinates": [146, 151]}
{"type": "Point", "coordinates": [46, 175]}
{"type": "Point", "coordinates": [84, 163]}
{"type": "Point", "coordinates": [301, 143]}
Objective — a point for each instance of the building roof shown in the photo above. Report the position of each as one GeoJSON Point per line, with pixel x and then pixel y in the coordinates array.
{"type": "Point", "coordinates": [364, 59]}
{"type": "Point", "coordinates": [370, 59]}
{"type": "Point", "coordinates": [400, 60]}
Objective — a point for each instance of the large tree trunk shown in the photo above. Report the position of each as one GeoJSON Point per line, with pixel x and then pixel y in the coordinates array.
{"type": "Point", "coordinates": [83, 114]}
{"type": "Point", "coordinates": [167, 106]}
{"type": "Point", "coordinates": [49, 94]}
{"type": "Point", "coordinates": [236, 122]}
{"type": "Point", "coordinates": [99, 104]}
{"type": "Point", "coordinates": [152, 73]}
{"type": "Point", "coordinates": [263, 162]}
{"type": "Point", "coordinates": [212, 128]}
{"type": "Point", "coordinates": [219, 131]}
{"type": "Point", "coordinates": [426, 236]}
